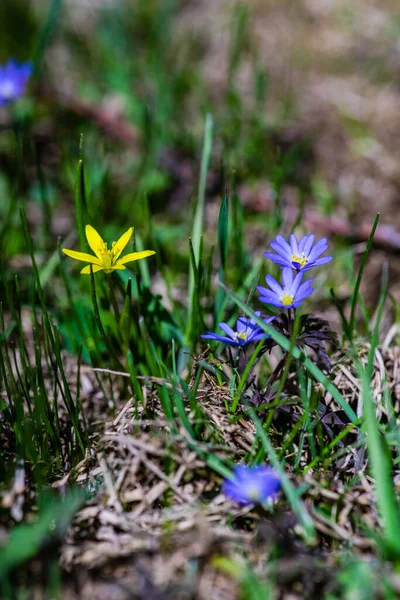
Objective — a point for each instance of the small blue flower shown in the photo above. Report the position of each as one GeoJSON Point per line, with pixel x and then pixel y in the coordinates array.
{"type": "Point", "coordinates": [300, 255]}
{"type": "Point", "coordinates": [250, 485]}
{"type": "Point", "coordinates": [290, 295]}
{"type": "Point", "coordinates": [13, 78]}
{"type": "Point", "coordinates": [247, 331]}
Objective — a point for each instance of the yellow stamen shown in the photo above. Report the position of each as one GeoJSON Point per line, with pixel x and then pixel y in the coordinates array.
{"type": "Point", "coordinates": [253, 493]}
{"type": "Point", "coordinates": [106, 259]}
{"type": "Point", "coordinates": [242, 335]}
{"type": "Point", "coordinates": [300, 259]}
{"type": "Point", "coordinates": [286, 299]}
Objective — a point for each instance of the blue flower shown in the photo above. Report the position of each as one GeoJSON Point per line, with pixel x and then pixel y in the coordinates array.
{"type": "Point", "coordinates": [250, 485]}
{"type": "Point", "coordinates": [300, 255]}
{"type": "Point", "coordinates": [247, 331]}
{"type": "Point", "coordinates": [13, 78]}
{"type": "Point", "coordinates": [290, 295]}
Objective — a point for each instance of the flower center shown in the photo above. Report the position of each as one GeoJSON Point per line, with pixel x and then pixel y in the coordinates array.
{"type": "Point", "coordinates": [286, 299]}
{"type": "Point", "coordinates": [114, 248]}
{"type": "Point", "coordinates": [7, 89]}
{"type": "Point", "coordinates": [241, 336]}
{"type": "Point", "coordinates": [108, 256]}
{"type": "Point", "coordinates": [299, 259]}
{"type": "Point", "coordinates": [107, 261]}
{"type": "Point", "coordinates": [253, 492]}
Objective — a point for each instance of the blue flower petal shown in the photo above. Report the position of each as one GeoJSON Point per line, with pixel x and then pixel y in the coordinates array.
{"type": "Point", "coordinates": [226, 329]}
{"type": "Point", "coordinates": [249, 485]}
{"type": "Point", "coordinates": [274, 285]}
{"type": "Point", "coordinates": [218, 338]}
{"type": "Point", "coordinates": [308, 254]}
{"type": "Point", "coordinates": [322, 261]}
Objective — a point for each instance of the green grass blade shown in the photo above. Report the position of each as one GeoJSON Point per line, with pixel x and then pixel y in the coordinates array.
{"type": "Point", "coordinates": [125, 322]}
{"type": "Point", "coordinates": [381, 468]}
{"type": "Point", "coordinates": [223, 232]}
{"type": "Point", "coordinates": [51, 332]}
{"type": "Point", "coordinates": [378, 449]}
{"type": "Point", "coordinates": [223, 240]}
{"type": "Point", "coordinates": [238, 235]}
{"type": "Point", "coordinates": [99, 323]}
{"type": "Point", "coordinates": [243, 379]}
{"type": "Point", "coordinates": [297, 505]}
{"type": "Point", "coordinates": [379, 314]}
{"type": "Point", "coordinates": [359, 277]}
{"type": "Point", "coordinates": [198, 223]}
{"type": "Point", "coordinates": [284, 343]}
{"type": "Point", "coordinates": [80, 199]}
{"type": "Point", "coordinates": [47, 271]}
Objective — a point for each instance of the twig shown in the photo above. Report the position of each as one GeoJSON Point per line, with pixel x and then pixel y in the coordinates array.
{"type": "Point", "coordinates": [386, 237]}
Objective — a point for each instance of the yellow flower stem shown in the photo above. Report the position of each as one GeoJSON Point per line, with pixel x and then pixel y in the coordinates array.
{"type": "Point", "coordinates": [103, 334]}
{"type": "Point", "coordinates": [113, 298]}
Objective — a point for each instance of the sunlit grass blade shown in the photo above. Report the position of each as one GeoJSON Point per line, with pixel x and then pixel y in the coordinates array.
{"type": "Point", "coordinates": [381, 468]}
{"type": "Point", "coordinates": [81, 212]}
{"type": "Point", "coordinates": [378, 449]}
{"type": "Point", "coordinates": [47, 271]}
{"type": "Point", "coordinates": [223, 240]}
{"type": "Point", "coordinates": [378, 319]}
{"type": "Point", "coordinates": [194, 319]}
{"type": "Point", "coordinates": [223, 232]}
{"type": "Point", "coordinates": [143, 265]}
{"type": "Point", "coordinates": [198, 225]}
{"type": "Point", "coordinates": [237, 235]}
{"type": "Point", "coordinates": [354, 298]}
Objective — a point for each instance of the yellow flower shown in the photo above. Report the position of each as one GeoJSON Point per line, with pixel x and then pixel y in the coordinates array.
{"type": "Point", "coordinates": [106, 259]}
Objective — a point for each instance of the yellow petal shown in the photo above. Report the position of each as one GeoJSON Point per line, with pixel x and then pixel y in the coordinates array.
{"type": "Point", "coordinates": [82, 256]}
{"type": "Point", "coordinates": [86, 270]}
{"type": "Point", "coordinates": [94, 240]}
{"type": "Point", "coordinates": [135, 256]}
{"type": "Point", "coordinates": [122, 242]}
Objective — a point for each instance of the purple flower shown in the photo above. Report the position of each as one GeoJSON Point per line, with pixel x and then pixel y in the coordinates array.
{"type": "Point", "coordinates": [250, 485]}
{"type": "Point", "coordinates": [300, 255]}
{"type": "Point", "coordinates": [13, 78]}
{"type": "Point", "coordinates": [290, 295]}
{"type": "Point", "coordinates": [247, 331]}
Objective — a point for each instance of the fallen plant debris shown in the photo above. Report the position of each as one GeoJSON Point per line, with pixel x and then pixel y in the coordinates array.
{"type": "Point", "coordinates": [157, 542]}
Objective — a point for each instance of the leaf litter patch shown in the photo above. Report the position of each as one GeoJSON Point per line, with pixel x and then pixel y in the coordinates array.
{"type": "Point", "coordinates": [160, 524]}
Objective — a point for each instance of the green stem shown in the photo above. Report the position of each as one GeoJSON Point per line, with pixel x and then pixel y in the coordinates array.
{"type": "Point", "coordinates": [113, 298]}
{"type": "Point", "coordinates": [290, 323]}
{"type": "Point", "coordinates": [277, 370]}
